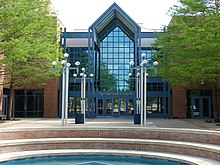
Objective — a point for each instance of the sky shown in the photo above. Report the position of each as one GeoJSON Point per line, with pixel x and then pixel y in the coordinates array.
{"type": "Point", "coordinates": [81, 14]}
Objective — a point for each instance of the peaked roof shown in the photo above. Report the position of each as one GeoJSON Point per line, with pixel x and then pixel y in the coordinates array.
{"type": "Point", "coordinates": [114, 16]}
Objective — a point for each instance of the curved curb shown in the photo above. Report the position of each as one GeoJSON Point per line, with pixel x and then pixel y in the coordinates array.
{"type": "Point", "coordinates": [157, 155]}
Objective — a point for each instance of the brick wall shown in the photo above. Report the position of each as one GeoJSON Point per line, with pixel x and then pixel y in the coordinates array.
{"type": "Point", "coordinates": [178, 103]}
{"type": "Point", "coordinates": [102, 140]}
{"type": "Point", "coordinates": [51, 99]}
{"type": "Point", "coordinates": [208, 137]}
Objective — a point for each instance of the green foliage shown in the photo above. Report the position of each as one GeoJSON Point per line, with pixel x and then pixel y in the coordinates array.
{"type": "Point", "coordinates": [83, 58]}
{"type": "Point", "coordinates": [28, 40]}
{"type": "Point", "coordinates": [190, 46]}
{"type": "Point", "coordinates": [108, 79]}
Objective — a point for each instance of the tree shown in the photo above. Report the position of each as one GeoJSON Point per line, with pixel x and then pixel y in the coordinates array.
{"type": "Point", "coordinates": [28, 43]}
{"type": "Point", "coordinates": [189, 48]}
{"type": "Point", "coordinates": [107, 79]}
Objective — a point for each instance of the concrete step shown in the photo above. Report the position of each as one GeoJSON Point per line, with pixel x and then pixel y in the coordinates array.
{"type": "Point", "coordinates": [193, 160]}
{"type": "Point", "coordinates": [210, 151]}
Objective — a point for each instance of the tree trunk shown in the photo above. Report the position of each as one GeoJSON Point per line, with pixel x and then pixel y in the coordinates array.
{"type": "Point", "coordinates": [10, 113]}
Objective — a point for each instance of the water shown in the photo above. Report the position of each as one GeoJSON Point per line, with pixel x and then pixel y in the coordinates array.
{"type": "Point", "coordinates": [91, 160]}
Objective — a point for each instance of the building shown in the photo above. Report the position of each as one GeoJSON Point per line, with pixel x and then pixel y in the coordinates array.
{"type": "Point", "coordinates": [111, 42]}
{"type": "Point", "coordinates": [105, 50]}
{"type": "Point", "coordinates": [114, 40]}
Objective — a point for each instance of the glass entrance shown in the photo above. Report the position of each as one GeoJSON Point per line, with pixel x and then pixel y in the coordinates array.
{"type": "Point", "coordinates": [122, 106]}
{"type": "Point", "coordinates": [74, 106]}
{"type": "Point", "coordinates": [108, 107]}
{"type": "Point", "coordinates": [114, 107]}
{"type": "Point", "coordinates": [200, 107]}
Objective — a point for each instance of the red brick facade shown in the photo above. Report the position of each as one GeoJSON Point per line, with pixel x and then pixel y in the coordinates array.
{"type": "Point", "coordinates": [51, 99]}
{"type": "Point", "coordinates": [50, 109]}
{"type": "Point", "coordinates": [179, 98]}
{"type": "Point", "coordinates": [178, 103]}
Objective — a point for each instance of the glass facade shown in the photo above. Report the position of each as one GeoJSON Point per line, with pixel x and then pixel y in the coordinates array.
{"type": "Point", "coordinates": [81, 55]}
{"type": "Point", "coordinates": [114, 91]}
{"type": "Point", "coordinates": [113, 41]}
{"type": "Point", "coordinates": [78, 54]}
{"type": "Point", "coordinates": [116, 50]}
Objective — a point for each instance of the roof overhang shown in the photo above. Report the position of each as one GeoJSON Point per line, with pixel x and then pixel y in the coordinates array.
{"type": "Point", "coordinates": [112, 17]}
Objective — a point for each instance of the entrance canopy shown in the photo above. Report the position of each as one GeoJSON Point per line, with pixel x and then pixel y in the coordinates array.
{"type": "Point", "coordinates": [112, 17]}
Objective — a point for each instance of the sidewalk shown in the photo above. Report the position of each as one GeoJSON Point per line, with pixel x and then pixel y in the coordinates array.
{"type": "Point", "coordinates": [152, 123]}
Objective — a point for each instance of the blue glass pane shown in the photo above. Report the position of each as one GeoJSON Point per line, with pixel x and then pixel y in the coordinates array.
{"type": "Point", "coordinates": [110, 55]}
{"type": "Point", "coordinates": [104, 49]}
{"type": "Point", "coordinates": [110, 34]}
{"type": "Point", "coordinates": [121, 39]}
{"type": "Point", "coordinates": [110, 50]}
{"type": "Point", "coordinates": [110, 44]}
{"type": "Point", "coordinates": [116, 44]}
{"type": "Point", "coordinates": [104, 55]}
{"type": "Point", "coordinates": [117, 50]}
{"type": "Point", "coordinates": [110, 39]}
{"type": "Point", "coordinates": [121, 50]}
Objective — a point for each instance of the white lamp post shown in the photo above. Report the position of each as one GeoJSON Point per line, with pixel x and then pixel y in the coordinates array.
{"type": "Point", "coordinates": [65, 86]}
{"type": "Point", "coordinates": [141, 87]}
{"type": "Point", "coordinates": [83, 93]}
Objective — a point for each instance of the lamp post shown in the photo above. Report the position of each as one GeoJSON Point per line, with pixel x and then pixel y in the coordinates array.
{"type": "Point", "coordinates": [80, 118]}
{"type": "Point", "coordinates": [141, 87]}
{"type": "Point", "coordinates": [65, 85]}
{"type": "Point", "coordinates": [137, 117]}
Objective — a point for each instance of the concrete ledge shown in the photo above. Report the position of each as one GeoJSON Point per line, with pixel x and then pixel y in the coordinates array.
{"type": "Point", "coordinates": [202, 144]}
{"type": "Point", "coordinates": [201, 136]}
{"type": "Point", "coordinates": [168, 156]}
{"type": "Point", "coordinates": [210, 151]}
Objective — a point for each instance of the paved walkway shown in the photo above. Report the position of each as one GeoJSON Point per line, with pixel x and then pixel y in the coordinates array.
{"type": "Point", "coordinates": [109, 123]}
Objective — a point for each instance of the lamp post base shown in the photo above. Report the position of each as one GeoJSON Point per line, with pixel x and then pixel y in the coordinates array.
{"type": "Point", "coordinates": [79, 119]}
{"type": "Point", "coordinates": [137, 118]}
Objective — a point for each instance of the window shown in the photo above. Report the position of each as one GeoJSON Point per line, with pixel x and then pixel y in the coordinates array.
{"type": "Point", "coordinates": [118, 49]}
{"type": "Point", "coordinates": [29, 103]}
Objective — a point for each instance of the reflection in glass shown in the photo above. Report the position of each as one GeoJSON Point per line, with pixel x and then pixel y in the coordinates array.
{"type": "Point", "coordinates": [131, 107]}
{"type": "Point", "coordinates": [100, 106]}
{"type": "Point", "coordinates": [122, 106]}
{"type": "Point", "coordinates": [74, 105]}
{"type": "Point", "coordinates": [116, 50]}
{"type": "Point", "coordinates": [154, 105]}
{"type": "Point", "coordinates": [115, 106]}
{"type": "Point", "coordinates": [108, 106]}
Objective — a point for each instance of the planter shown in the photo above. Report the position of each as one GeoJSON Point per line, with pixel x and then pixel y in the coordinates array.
{"type": "Point", "coordinates": [137, 118]}
{"type": "Point", "coordinates": [79, 119]}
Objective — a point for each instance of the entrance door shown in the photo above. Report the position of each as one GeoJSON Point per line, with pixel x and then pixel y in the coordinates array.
{"type": "Point", "coordinates": [108, 106]}
{"type": "Point", "coordinates": [123, 107]}
{"type": "Point", "coordinates": [115, 107]}
{"type": "Point", "coordinates": [200, 107]}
